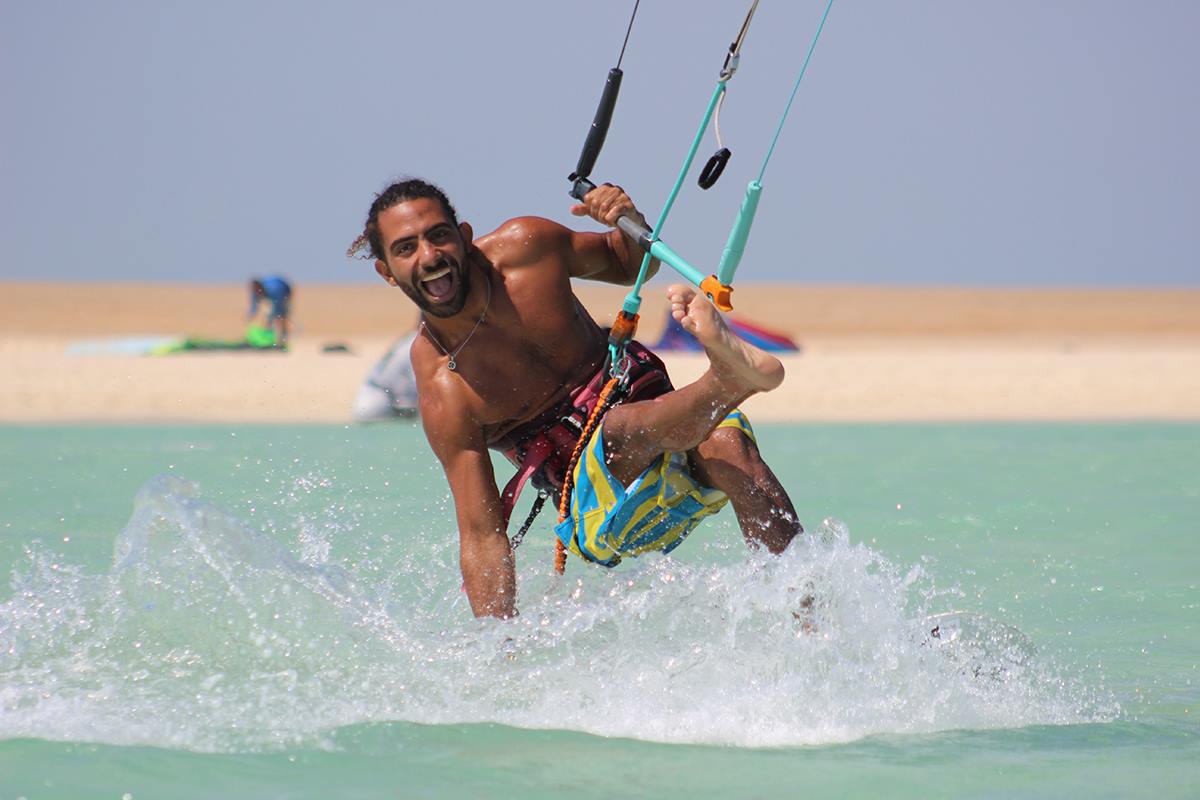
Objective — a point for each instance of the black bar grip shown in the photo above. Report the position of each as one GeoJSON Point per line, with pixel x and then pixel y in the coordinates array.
{"type": "Point", "coordinates": [580, 187]}
{"type": "Point", "coordinates": [600, 123]}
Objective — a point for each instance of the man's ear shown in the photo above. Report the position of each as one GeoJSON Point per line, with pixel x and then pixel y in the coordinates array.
{"type": "Point", "coordinates": [467, 234]}
{"type": "Point", "coordinates": [382, 269]}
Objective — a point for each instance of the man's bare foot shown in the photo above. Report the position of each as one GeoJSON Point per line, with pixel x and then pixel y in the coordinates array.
{"type": "Point", "coordinates": [735, 361]}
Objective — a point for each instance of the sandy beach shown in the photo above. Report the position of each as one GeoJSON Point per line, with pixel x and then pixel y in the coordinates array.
{"type": "Point", "coordinates": [867, 353]}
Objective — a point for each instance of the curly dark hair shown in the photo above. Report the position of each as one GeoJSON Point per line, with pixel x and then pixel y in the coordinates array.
{"type": "Point", "coordinates": [368, 245]}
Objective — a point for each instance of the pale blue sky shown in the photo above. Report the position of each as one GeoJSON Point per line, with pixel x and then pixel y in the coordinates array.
{"type": "Point", "coordinates": [1003, 143]}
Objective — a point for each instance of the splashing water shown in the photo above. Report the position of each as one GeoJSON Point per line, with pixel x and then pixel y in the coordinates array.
{"type": "Point", "coordinates": [208, 635]}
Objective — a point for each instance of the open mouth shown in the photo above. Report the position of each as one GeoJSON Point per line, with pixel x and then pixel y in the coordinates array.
{"type": "Point", "coordinates": [439, 285]}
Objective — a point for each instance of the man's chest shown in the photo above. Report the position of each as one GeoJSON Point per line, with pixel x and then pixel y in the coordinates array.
{"type": "Point", "coordinates": [525, 373]}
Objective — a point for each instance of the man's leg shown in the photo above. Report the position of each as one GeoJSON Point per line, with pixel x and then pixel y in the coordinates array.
{"type": "Point", "coordinates": [729, 460]}
{"type": "Point", "coordinates": [637, 433]}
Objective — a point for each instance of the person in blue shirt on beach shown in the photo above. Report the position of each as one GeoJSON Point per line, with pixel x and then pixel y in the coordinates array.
{"type": "Point", "coordinates": [279, 292]}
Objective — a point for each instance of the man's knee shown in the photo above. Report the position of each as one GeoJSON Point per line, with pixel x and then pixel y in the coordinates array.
{"type": "Point", "coordinates": [633, 428]}
{"type": "Point", "coordinates": [729, 460]}
{"type": "Point", "coordinates": [732, 446]}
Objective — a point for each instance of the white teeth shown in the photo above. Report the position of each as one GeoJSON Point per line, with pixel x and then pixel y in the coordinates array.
{"type": "Point", "coordinates": [435, 275]}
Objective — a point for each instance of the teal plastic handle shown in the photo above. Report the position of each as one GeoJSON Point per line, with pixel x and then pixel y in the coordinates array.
{"type": "Point", "coordinates": [735, 246]}
{"type": "Point", "coordinates": [677, 262]}
{"type": "Point", "coordinates": [660, 250]}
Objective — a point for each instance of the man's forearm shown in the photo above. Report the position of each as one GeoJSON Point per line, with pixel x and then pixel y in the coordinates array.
{"type": "Point", "coordinates": [489, 573]}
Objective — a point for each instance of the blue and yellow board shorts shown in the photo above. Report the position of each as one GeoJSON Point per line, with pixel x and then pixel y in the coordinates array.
{"type": "Point", "coordinates": [609, 521]}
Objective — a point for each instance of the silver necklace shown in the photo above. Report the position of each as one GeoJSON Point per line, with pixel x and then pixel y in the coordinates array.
{"type": "Point", "coordinates": [453, 365]}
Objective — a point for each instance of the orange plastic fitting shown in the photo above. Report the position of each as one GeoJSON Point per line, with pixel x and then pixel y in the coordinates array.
{"type": "Point", "coordinates": [624, 327]}
{"type": "Point", "coordinates": [720, 294]}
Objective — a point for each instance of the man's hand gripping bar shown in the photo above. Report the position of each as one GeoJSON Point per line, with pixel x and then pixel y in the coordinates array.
{"type": "Point", "coordinates": [719, 293]}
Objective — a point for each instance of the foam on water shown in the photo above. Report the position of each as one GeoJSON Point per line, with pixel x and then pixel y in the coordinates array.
{"type": "Point", "coordinates": [208, 635]}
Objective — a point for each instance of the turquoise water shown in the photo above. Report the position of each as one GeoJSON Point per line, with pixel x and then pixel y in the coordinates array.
{"type": "Point", "coordinates": [269, 611]}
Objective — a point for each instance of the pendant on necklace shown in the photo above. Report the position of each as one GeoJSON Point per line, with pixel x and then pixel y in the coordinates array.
{"type": "Point", "coordinates": [451, 365]}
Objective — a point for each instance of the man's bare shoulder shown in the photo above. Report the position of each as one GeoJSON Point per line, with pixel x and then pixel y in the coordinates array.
{"type": "Point", "coordinates": [524, 240]}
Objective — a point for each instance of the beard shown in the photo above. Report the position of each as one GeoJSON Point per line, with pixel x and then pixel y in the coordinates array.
{"type": "Point", "coordinates": [447, 308]}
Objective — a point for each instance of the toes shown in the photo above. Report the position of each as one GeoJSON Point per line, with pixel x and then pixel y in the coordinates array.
{"type": "Point", "coordinates": [680, 293]}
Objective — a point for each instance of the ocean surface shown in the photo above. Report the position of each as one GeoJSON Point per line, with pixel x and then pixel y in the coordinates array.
{"type": "Point", "coordinates": [1002, 610]}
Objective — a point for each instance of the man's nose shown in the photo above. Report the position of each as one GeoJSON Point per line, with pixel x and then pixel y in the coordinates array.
{"type": "Point", "coordinates": [427, 252]}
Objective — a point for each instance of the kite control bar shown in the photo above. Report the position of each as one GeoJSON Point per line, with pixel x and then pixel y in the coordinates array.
{"type": "Point", "coordinates": [717, 289]}
{"type": "Point", "coordinates": [715, 286]}
{"type": "Point", "coordinates": [580, 184]}
{"type": "Point", "coordinates": [717, 292]}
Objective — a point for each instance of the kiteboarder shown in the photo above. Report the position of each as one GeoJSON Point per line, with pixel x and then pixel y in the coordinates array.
{"type": "Point", "coordinates": [507, 358]}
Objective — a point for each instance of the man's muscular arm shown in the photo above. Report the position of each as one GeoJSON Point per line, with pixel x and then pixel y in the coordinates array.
{"type": "Point", "coordinates": [610, 257]}
{"type": "Point", "coordinates": [485, 557]}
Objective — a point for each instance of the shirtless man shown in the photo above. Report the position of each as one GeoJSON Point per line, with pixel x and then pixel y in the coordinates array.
{"type": "Point", "coordinates": [505, 347]}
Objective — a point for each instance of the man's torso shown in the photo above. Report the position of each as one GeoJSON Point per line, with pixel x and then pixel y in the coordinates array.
{"type": "Point", "coordinates": [536, 344]}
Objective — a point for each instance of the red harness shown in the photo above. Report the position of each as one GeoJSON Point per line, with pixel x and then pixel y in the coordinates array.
{"type": "Point", "coordinates": [542, 447]}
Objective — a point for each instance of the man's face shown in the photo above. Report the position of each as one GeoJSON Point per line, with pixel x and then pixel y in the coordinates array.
{"type": "Point", "coordinates": [426, 255]}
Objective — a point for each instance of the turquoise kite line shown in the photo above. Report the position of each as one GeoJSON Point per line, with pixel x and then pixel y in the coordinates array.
{"type": "Point", "coordinates": [799, 78]}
